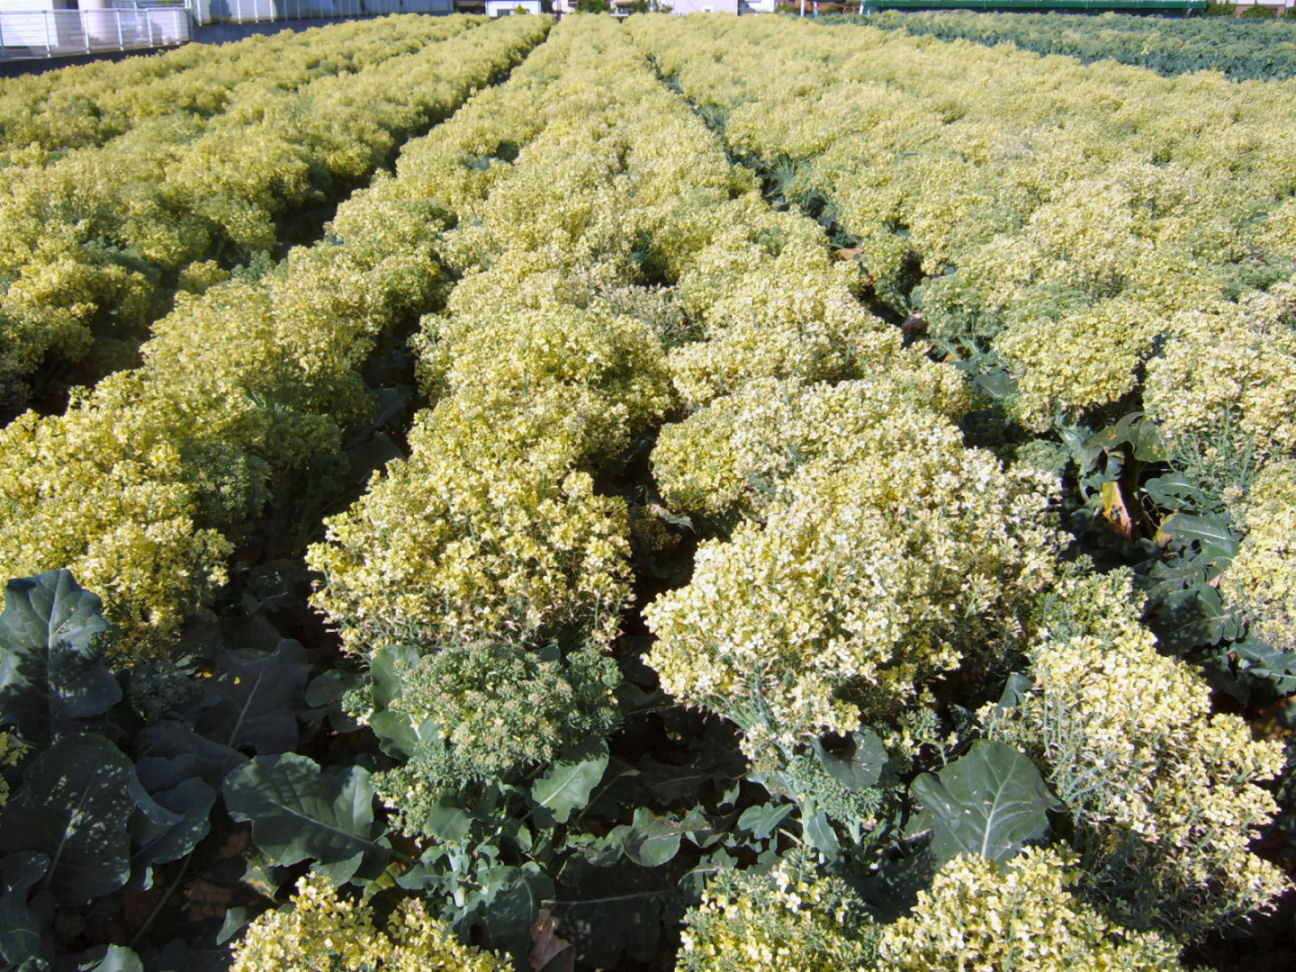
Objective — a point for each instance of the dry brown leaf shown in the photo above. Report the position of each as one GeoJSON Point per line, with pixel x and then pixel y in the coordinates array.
{"type": "Point", "coordinates": [546, 945]}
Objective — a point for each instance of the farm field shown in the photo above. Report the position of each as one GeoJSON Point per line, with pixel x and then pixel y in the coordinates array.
{"type": "Point", "coordinates": [698, 493]}
{"type": "Point", "coordinates": [1261, 50]}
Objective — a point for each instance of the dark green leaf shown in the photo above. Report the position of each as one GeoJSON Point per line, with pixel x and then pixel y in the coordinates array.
{"type": "Point", "coordinates": [114, 958]}
{"type": "Point", "coordinates": [1265, 662]}
{"type": "Point", "coordinates": [511, 909]}
{"type": "Point", "coordinates": [259, 693]}
{"type": "Point", "coordinates": [862, 764]}
{"type": "Point", "coordinates": [212, 761]}
{"type": "Point", "coordinates": [570, 781]}
{"type": "Point", "coordinates": [819, 833]}
{"type": "Point", "coordinates": [50, 670]}
{"type": "Point", "coordinates": [1134, 430]}
{"type": "Point", "coordinates": [1212, 533]}
{"type": "Point", "coordinates": [762, 819]}
{"type": "Point", "coordinates": [1175, 491]}
{"type": "Point", "coordinates": [21, 931]}
{"type": "Point", "coordinates": [169, 825]}
{"type": "Point", "coordinates": [651, 840]}
{"type": "Point", "coordinates": [300, 812]}
{"type": "Point", "coordinates": [75, 806]}
{"type": "Point", "coordinates": [989, 802]}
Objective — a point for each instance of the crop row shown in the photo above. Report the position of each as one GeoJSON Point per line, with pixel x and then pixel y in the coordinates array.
{"type": "Point", "coordinates": [887, 714]}
{"type": "Point", "coordinates": [92, 103]}
{"type": "Point", "coordinates": [97, 244]}
{"type": "Point", "coordinates": [1075, 236]}
{"type": "Point", "coordinates": [1052, 223]}
{"type": "Point", "coordinates": [621, 279]}
{"type": "Point", "coordinates": [238, 387]}
{"type": "Point", "coordinates": [1261, 50]}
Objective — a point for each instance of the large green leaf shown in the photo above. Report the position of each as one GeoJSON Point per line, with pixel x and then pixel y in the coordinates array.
{"type": "Point", "coordinates": [1211, 533]}
{"type": "Point", "coordinates": [860, 766]}
{"type": "Point", "coordinates": [299, 811]}
{"type": "Point", "coordinates": [75, 806]}
{"type": "Point", "coordinates": [651, 840]}
{"type": "Point", "coordinates": [989, 802]}
{"type": "Point", "coordinates": [761, 819]}
{"type": "Point", "coordinates": [21, 931]}
{"type": "Point", "coordinates": [818, 830]}
{"type": "Point", "coordinates": [259, 695]}
{"type": "Point", "coordinates": [50, 671]}
{"type": "Point", "coordinates": [570, 781]}
{"type": "Point", "coordinates": [169, 824]}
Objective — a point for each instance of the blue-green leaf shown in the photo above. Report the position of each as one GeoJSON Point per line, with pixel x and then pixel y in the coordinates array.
{"type": "Point", "coordinates": [300, 812]}
{"type": "Point", "coordinates": [50, 668]}
{"type": "Point", "coordinates": [652, 840]}
{"type": "Point", "coordinates": [862, 765]}
{"type": "Point", "coordinates": [762, 819]}
{"type": "Point", "coordinates": [989, 802]}
{"type": "Point", "coordinates": [570, 781]}
{"type": "Point", "coordinates": [75, 806]}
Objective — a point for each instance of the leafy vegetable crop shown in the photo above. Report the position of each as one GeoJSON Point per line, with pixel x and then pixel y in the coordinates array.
{"type": "Point", "coordinates": [683, 518]}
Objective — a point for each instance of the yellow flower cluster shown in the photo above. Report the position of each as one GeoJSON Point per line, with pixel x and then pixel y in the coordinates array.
{"type": "Point", "coordinates": [1229, 370]}
{"type": "Point", "coordinates": [1165, 796]}
{"type": "Point", "coordinates": [598, 224]}
{"type": "Point", "coordinates": [785, 918]}
{"type": "Point", "coordinates": [979, 916]}
{"type": "Point", "coordinates": [1053, 213]}
{"type": "Point", "coordinates": [91, 103]}
{"type": "Point", "coordinates": [775, 305]}
{"type": "Point", "coordinates": [324, 932]}
{"type": "Point", "coordinates": [1262, 577]}
{"type": "Point", "coordinates": [12, 750]}
{"type": "Point", "coordinates": [91, 240]}
{"type": "Point", "coordinates": [911, 556]}
{"type": "Point", "coordinates": [239, 387]}
{"type": "Point", "coordinates": [739, 451]}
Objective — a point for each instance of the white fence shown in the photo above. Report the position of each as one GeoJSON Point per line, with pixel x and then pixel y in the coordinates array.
{"type": "Point", "coordinates": [55, 33]}
{"type": "Point", "coordinates": [255, 11]}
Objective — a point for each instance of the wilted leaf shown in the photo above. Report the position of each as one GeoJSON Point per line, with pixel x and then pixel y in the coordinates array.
{"type": "Point", "coordinates": [50, 669]}
{"type": "Point", "coordinates": [206, 900]}
{"type": "Point", "coordinates": [299, 812]}
{"type": "Point", "coordinates": [1116, 511]}
{"type": "Point", "coordinates": [546, 945]}
{"type": "Point", "coordinates": [989, 802]}
{"type": "Point", "coordinates": [75, 806]}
